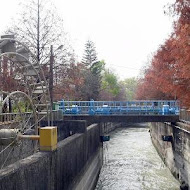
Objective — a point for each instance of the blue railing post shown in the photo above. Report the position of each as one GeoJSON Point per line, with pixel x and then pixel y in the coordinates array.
{"type": "Point", "coordinates": [92, 107]}
{"type": "Point", "coordinates": [62, 105]}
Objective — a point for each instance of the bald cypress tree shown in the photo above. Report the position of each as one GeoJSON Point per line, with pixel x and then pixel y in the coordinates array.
{"type": "Point", "coordinates": [39, 26]}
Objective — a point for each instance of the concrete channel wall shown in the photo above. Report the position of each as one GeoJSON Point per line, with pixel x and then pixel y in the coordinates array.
{"type": "Point", "coordinates": [27, 148]}
{"type": "Point", "coordinates": [107, 127]}
{"type": "Point", "coordinates": [74, 165]}
{"type": "Point", "coordinates": [175, 154]}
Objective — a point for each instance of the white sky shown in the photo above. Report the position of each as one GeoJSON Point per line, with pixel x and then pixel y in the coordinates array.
{"type": "Point", "coordinates": [125, 32]}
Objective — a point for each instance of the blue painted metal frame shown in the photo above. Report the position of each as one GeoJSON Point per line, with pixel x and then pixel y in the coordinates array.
{"type": "Point", "coordinates": [159, 107]}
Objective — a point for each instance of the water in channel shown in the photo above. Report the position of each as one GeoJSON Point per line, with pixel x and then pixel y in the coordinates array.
{"type": "Point", "coordinates": [132, 163]}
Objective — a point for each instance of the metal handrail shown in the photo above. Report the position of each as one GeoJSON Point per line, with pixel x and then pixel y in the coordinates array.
{"type": "Point", "coordinates": [120, 107]}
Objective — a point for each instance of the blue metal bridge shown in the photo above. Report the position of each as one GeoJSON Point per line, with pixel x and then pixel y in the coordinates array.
{"type": "Point", "coordinates": [157, 107]}
{"type": "Point", "coordinates": [139, 111]}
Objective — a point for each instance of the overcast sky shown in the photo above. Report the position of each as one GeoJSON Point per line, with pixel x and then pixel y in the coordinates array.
{"type": "Point", "coordinates": [125, 32]}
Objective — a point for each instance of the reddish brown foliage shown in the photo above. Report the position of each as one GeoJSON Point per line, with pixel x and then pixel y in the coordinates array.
{"type": "Point", "coordinates": [7, 74]}
{"type": "Point", "coordinates": [169, 74]}
{"type": "Point", "coordinates": [70, 80]}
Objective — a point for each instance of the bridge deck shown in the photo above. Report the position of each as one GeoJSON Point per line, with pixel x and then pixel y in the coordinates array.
{"type": "Point", "coordinates": [124, 118]}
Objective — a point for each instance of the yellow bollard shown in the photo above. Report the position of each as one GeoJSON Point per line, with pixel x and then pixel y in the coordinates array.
{"type": "Point", "coordinates": [48, 138]}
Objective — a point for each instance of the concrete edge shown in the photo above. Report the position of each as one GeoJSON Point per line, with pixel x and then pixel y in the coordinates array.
{"type": "Point", "coordinates": [90, 175]}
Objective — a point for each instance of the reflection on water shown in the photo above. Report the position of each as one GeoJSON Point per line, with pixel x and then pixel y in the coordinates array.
{"type": "Point", "coordinates": [132, 163]}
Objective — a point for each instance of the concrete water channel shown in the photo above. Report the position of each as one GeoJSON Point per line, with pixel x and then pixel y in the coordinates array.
{"type": "Point", "coordinates": [132, 163]}
{"type": "Point", "coordinates": [130, 160]}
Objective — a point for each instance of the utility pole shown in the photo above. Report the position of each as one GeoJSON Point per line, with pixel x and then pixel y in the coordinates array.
{"type": "Point", "coordinates": [51, 75]}
{"type": "Point", "coordinates": [51, 67]}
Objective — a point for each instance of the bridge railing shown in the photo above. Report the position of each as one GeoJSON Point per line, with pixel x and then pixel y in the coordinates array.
{"type": "Point", "coordinates": [119, 107]}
